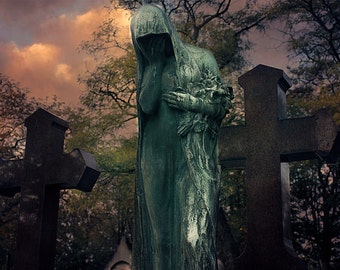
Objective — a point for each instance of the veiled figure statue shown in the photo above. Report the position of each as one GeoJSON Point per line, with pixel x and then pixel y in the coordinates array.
{"type": "Point", "coordinates": [181, 103]}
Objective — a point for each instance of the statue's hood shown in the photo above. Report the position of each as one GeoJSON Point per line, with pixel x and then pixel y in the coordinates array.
{"type": "Point", "coordinates": [149, 19]}
{"type": "Point", "coordinates": [152, 20]}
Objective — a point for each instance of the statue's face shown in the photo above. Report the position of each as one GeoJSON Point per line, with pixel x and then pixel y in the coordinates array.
{"type": "Point", "coordinates": [156, 42]}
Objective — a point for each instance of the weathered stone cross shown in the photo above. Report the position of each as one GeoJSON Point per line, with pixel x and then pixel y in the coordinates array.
{"type": "Point", "coordinates": [262, 145]}
{"type": "Point", "coordinates": [39, 177]}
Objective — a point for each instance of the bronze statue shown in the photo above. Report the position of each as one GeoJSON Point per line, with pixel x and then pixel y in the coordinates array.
{"type": "Point", "coordinates": [181, 103]}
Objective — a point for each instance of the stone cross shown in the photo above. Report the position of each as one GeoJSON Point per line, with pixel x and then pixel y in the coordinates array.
{"type": "Point", "coordinates": [263, 145]}
{"type": "Point", "coordinates": [39, 177]}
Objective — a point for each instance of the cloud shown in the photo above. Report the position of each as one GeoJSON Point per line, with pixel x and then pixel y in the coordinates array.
{"type": "Point", "coordinates": [63, 72]}
{"type": "Point", "coordinates": [27, 10]}
{"type": "Point", "coordinates": [39, 43]}
{"type": "Point", "coordinates": [20, 18]}
{"type": "Point", "coordinates": [38, 67]}
{"type": "Point", "coordinates": [48, 63]}
{"type": "Point", "coordinates": [37, 54]}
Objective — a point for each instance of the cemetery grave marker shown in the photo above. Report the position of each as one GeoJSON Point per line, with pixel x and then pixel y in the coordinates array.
{"type": "Point", "coordinates": [263, 145]}
{"type": "Point", "coordinates": [39, 177]}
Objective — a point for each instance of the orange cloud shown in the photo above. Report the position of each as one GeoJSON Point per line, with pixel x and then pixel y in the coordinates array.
{"type": "Point", "coordinates": [51, 64]}
{"type": "Point", "coordinates": [44, 52]}
{"type": "Point", "coordinates": [38, 67]}
{"type": "Point", "coordinates": [36, 54]}
{"type": "Point", "coordinates": [63, 72]}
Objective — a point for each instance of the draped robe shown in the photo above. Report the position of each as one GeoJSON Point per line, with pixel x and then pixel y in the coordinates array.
{"type": "Point", "coordinates": [177, 181]}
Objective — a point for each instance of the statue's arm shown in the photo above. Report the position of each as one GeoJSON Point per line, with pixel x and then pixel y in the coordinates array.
{"type": "Point", "coordinates": [150, 92]}
{"type": "Point", "coordinates": [185, 101]}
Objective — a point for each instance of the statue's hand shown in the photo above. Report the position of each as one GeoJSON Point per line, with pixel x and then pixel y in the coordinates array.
{"type": "Point", "coordinates": [155, 49]}
{"type": "Point", "coordinates": [182, 101]}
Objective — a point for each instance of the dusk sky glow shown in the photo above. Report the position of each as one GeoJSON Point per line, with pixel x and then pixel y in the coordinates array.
{"type": "Point", "coordinates": [39, 43]}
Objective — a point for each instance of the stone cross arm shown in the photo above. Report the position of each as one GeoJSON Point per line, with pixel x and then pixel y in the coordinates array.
{"type": "Point", "coordinates": [299, 139]}
{"type": "Point", "coordinates": [76, 170]}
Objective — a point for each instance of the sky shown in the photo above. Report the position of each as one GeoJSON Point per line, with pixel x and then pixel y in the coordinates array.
{"type": "Point", "coordinates": [40, 39]}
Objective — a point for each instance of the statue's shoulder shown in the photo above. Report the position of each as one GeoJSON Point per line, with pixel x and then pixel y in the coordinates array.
{"type": "Point", "coordinates": [204, 58]}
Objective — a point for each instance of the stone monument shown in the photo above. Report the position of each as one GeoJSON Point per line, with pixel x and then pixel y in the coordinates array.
{"type": "Point", "coordinates": [264, 145]}
{"type": "Point", "coordinates": [39, 177]}
{"type": "Point", "coordinates": [181, 103]}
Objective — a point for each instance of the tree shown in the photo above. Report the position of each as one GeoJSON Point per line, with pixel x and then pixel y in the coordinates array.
{"type": "Point", "coordinates": [315, 211]}
{"type": "Point", "coordinates": [86, 132]}
{"type": "Point", "coordinates": [233, 202]}
{"type": "Point", "coordinates": [110, 89]}
{"type": "Point", "coordinates": [91, 224]}
{"type": "Point", "coordinates": [110, 86]}
{"type": "Point", "coordinates": [15, 106]}
{"type": "Point", "coordinates": [312, 28]}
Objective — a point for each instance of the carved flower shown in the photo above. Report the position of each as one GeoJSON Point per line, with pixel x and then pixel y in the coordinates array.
{"type": "Point", "coordinates": [200, 126]}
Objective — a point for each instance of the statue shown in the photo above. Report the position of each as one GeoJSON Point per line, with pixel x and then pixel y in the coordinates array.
{"type": "Point", "coordinates": [181, 103]}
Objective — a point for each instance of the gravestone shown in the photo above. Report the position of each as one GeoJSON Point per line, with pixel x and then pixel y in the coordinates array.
{"type": "Point", "coordinates": [39, 177]}
{"type": "Point", "coordinates": [263, 145]}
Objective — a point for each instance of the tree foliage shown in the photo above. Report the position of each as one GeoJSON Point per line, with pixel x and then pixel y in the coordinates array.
{"type": "Point", "coordinates": [15, 106]}
{"type": "Point", "coordinates": [218, 27]}
{"type": "Point", "coordinates": [315, 210]}
{"type": "Point", "coordinates": [110, 88]}
{"type": "Point", "coordinates": [312, 31]}
{"type": "Point", "coordinates": [215, 25]}
{"type": "Point", "coordinates": [233, 202]}
{"type": "Point", "coordinates": [91, 224]}
{"type": "Point", "coordinates": [312, 28]}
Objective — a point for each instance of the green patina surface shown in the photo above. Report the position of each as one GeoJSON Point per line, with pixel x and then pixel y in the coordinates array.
{"type": "Point", "coordinates": [181, 103]}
